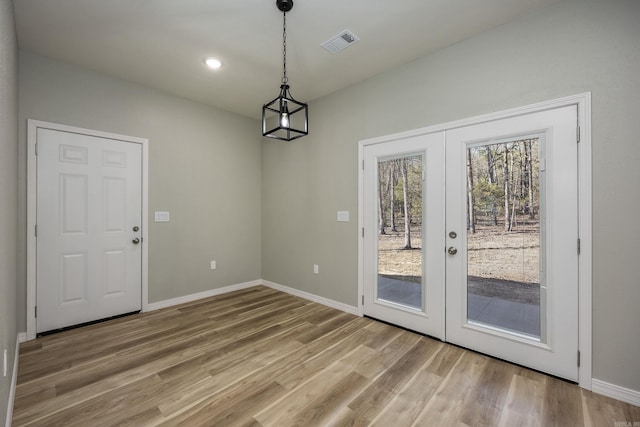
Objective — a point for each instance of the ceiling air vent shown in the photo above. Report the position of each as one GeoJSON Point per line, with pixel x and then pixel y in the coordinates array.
{"type": "Point", "coordinates": [345, 39]}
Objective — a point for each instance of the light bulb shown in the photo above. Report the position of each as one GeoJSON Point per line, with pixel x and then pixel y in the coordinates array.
{"type": "Point", "coordinates": [284, 116]}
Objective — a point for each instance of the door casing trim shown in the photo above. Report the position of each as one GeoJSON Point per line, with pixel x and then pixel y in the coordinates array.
{"type": "Point", "coordinates": [32, 127]}
{"type": "Point", "coordinates": [584, 150]}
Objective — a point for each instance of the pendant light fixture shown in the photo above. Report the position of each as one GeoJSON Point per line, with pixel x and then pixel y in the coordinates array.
{"type": "Point", "coordinates": [285, 118]}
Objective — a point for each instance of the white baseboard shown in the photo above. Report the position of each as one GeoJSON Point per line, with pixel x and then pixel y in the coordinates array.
{"type": "Point", "coordinates": [213, 292]}
{"type": "Point", "coordinates": [200, 295]}
{"type": "Point", "coordinates": [311, 297]}
{"type": "Point", "coordinates": [21, 337]}
{"type": "Point", "coordinates": [616, 392]}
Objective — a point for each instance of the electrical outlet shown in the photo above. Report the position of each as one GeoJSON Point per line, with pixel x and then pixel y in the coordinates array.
{"type": "Point", "coordinates": [316, 269]}
{"type": "Point", "coordinates": [213, 265]}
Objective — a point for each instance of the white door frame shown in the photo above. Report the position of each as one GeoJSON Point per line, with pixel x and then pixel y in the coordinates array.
{"type": "Point", "coordinates": [32, 131]}
{"type": "Point", "coordinates": [583, 101]}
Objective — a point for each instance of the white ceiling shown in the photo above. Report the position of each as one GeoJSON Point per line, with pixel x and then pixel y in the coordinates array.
{"type": "Point", "coordinates": [162, 43]}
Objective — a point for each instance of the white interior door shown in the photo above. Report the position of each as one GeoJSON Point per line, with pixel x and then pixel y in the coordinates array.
{"type": "Point", "coordinates": [89, 212]}
{"type": "Point", "coordinates": [512, 288]}
{"type": "Point", "coordinates": [404, 281]}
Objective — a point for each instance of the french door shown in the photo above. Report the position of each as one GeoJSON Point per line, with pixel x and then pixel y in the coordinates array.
{"type": "Point", "coordinates": [470, 235]}
{"type": "Point", "coordinates": [405, 279]}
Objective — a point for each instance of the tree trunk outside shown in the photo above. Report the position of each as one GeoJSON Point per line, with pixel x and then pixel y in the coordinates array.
{"type": "Point", "coordinates": [470, 199]}
{"type": "Point", "coordinates": [529, 147]}
{"type": "Point", "coordinates": [380, 199]}
{"type": "Point", "coordinates": [507, 193]}
{"type": "Point", "coordinates": [491, 166]}
{"type": "Point", "coordinates": [405, 193]}
{"type": "Point", "coordinates": [491, 171]}
{"type": "Point", "coordinates": [392, 196]}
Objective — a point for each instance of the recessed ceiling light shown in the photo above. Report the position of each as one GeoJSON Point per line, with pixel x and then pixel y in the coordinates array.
{"type": "Point", "coordinates": [213, 63]}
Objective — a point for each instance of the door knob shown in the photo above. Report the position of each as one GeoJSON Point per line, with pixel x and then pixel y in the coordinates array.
{"type": "Point", "coordinates": [452, 250]}
{"type": "Point", "coordinates": [136, 241]}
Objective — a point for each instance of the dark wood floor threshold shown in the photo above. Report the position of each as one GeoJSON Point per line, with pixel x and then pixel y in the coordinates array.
{"type": "Point", "coordinates": [81, 325]}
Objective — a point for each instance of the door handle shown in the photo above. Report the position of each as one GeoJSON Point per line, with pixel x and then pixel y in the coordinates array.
{"type": "Point", "coordinates": [452, 250]}
{"type": "Point", "coordinates": [136, 241]}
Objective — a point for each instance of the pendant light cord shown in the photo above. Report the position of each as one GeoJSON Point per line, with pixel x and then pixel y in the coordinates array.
{"type": "Point", "coordinates": [285, 79]}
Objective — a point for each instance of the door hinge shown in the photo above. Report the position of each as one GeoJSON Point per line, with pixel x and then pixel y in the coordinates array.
{"type": "Point", "coordinates": [35, 309]}
{"type": "Point", "coordinates": [363, 165]}
{"type": "Point", "coordinates": [36, 148]}
{"type": "Point", "coordinates": [362, 231]}
{"type": "Point", "coordinates": [578, 358]}
{"type": "Point", "coordinates": [578, 246]}
{"type": "Point", "coordinates": [578, 134]}
{"type": "Point", "coordinates": [362, 299]}
{"type": "Point", "coordinates": [36, 230]}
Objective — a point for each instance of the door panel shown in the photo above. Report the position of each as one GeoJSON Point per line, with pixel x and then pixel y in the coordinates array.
{"type": "Point", "coordinates": [517, 324]}
{"type": "Point", "coordinates": [89, 193]}
{"type": "Point", "coordinates": [73, 204]}
{"type": "Point", "coordinates": [114, 277]}
{"type": "Point", "coordinates": [73, 278]}
{"type": "Point", "coordinates": [404, 278]}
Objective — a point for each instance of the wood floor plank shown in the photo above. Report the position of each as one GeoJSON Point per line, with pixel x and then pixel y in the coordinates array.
{"type": "Point", "coordinates": [455, 391]}
{"type": "Point", "coordinates": [373, 400]}
{"type": "Point", "coordinates": [562, 404]}
{"type": "Point", "coordinates": [388, 355]}
{"type": "Point", "coordinates": [225, 372]}
{"type": "Point", "coordinates": [405, 406]}
{"type": "Point", "coordinates": [602, 411]}
{"type": "Point", "coordinates": [287, 408]}
{"type": "Point", "coordinates": [326, 408]}
{"type": "Point", "coordinates": [524, 403]}
{"type": "Point", "coordinates": [489, 398]}
{"type": "Point", "coordinates": [258, 357]}
{"type": "Point", "coordinates": [314, 365]}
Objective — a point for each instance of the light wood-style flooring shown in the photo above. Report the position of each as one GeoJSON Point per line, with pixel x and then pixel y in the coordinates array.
{"type": "Point", "coordinates": [258, 357]}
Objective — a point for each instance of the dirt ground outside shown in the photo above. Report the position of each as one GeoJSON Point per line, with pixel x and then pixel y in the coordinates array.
{"type": "Point", "coordinates": [507, 260]}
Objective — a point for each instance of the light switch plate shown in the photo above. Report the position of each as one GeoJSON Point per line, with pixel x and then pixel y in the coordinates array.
{"type": "Point", "coordinates": [161, 216]}
{"type": "Point", "coordinates": [343, 216]}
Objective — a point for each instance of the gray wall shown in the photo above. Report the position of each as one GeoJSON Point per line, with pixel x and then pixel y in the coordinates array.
{"type": "Point", "coordinates": [566, 49]}
{"type": "Point", "coordinates": [205, 168]}
{"type": "Point", "coordinates": [8, 193]}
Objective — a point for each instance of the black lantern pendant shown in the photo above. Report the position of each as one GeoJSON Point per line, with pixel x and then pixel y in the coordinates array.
{"type": "Point", "coordinates": [285, 118]}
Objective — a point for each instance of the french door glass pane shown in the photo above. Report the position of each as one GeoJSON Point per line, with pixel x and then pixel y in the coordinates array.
{"type": "Point", "coordinates": [504, 236]}
{"type": "Point", "coordinates": [400, 195]}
